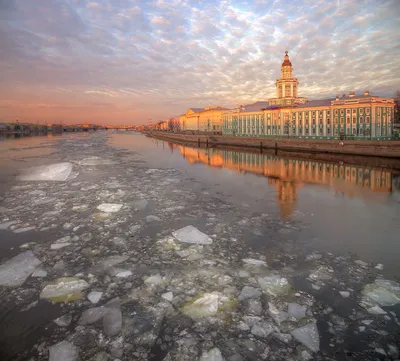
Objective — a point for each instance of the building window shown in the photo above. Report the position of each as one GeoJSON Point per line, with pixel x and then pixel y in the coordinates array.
{"type": "Point", "coordinates": [361, 119]}
{"type": "Point", "coordinates": [354, 111]}
{"type": "Point", "coordinates": [341, 120]}
{"type": "Point", "coordinates": [367, 119]}
{"type": "Point", "coordinates": [354, 131]}
{"type": "Point", "coordinates": [336, 120]}
{"type": "Point", "coordinates": [336, 112]}
{"type": "Point", "coordinates": [378, 110]}
{"type": "Point", "coordinates": [328, 113]}
{"type": "Point", "coordinates": [354, 120]}
{"type": "Point", "coordinates": [348, 119]}
{"type": "Point", "coordinates": [367, 111]}
{"type": "Point", "coordinates": [348, 111]}
{"type": "Point", "coordinates": [328, 131]}
{"type": "Point", "coordinates": [361, 111]}
{"type": "Point", "coordinates": [341, 111]}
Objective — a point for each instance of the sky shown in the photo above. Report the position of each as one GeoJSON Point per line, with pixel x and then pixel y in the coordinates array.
{"type": "Point", "coordinates": [128, 61]}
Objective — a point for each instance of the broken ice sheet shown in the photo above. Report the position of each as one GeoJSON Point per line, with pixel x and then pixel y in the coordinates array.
{"type": "Point", "coordinates": [381, 292]}
{"type": "Point", "coordinates": [95, 161]}
{"type": "Point", "coordinates": [63, 351]}
{"type": "Point", "coordinates": [208, 304]}
{"type": "Point", "coordinates": [274, 285]}
{"type": "Point", "coordinates": [52, 172]}
{"type": "Point", "coordinates": [16, 270]}
{"type": "Point", "coordinates": [109, 207]}
{"type": "Point", "coordinates": [308, 335]}
{"type": "Point", "coordinates": [190, 234]}
{"type": "Point", "coordinates": [64, 289]}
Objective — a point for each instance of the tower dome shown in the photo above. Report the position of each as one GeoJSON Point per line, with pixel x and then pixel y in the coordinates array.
{"type": "Point", "coordinates": [286, 61]}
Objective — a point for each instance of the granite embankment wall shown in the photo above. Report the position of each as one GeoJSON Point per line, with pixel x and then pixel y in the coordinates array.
{"type": "Point", "coordinates": [375, 148]}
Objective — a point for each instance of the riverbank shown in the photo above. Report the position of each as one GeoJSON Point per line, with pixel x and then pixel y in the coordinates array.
{"type": "Point", "coordinates": [370, 148]}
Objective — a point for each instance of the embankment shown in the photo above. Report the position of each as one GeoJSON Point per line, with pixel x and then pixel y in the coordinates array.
{"type": "Point", "coordinates": [373, 148]}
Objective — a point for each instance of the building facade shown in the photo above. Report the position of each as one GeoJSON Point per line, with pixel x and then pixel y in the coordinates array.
{"type": "Point", "coordinates": [207, 119]}
{"type": "Point", "coordinates": [351, 116]}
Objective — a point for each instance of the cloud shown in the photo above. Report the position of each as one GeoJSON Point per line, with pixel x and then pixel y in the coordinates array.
{"type": "Point", "coordinates": [157, 58]}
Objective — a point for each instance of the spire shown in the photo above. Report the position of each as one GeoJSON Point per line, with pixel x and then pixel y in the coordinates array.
{"type": "Point", "coordinates": [286, 61]}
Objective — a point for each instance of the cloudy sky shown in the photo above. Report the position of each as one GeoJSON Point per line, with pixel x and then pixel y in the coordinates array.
{"type": "Point", "coordinates": [127, 61]}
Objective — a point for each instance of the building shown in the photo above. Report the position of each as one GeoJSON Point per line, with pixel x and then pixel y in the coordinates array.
{"type": "Point", "coordinates": [207, 119]}
{"type": "Point", "coordinates": [351, 116]}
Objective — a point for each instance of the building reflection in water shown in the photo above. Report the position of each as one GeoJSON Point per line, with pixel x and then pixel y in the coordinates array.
{"type": "Point", "coordinates": [287, 175]}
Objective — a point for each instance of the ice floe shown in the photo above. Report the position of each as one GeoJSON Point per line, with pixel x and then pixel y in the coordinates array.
{"type": "Point", "coordinates": [308, 335]}
{"type": "Point", "coordinates": [190, 234]}
{"type": "Point", "coordinates": [52, 172]}
{"type": "Point", "coordinates": [64, 289]}
{"type": "Point", "coordinates": [16, 270]}
{"type": "Point", "coordinates": [274, 285]}
{"type": "Point", "coordinates": [109, 207]}
{"type": "Point", "coordinates": [63, 351]}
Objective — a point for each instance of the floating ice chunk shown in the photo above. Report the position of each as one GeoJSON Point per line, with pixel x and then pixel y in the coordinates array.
{"type": "Point", "coordinates": [322, 273]}
{"type": "Point", "coordinates": [313, 256]}
{"type": "Point", "coordinates": [262, 329]}
{"type": "Point", "coordinates": [296, 311]}
{"type": "Point", "coordinates": [112, 320]}
{"type": "Point", "coordinates": [63, 351]}
{"type": "Point", "coordinates": [95, 161]}
{"type": "Point", "coordinates": [308, 335]}
{"type": "Point", "coordinates": [190, 234]}
{"type": "Point", "coordinates": [124, 274]}
{"type": "Point", "coordinates": [152, 218]}
{"type": "Point", "coordinates": [63, 321]}
{"type": "Point", "coordinates": [254, 262]}
{"type": "Point", "coordinates": [16, 270]}
{"type": "Point", "coordinates": [379, 266]}
{"type": "Point", "coordinates": [168, 296]}
{"type": "Point", "coordinates": [55, 246]}
{"type": "Point", "coordinates": [192, 253]}
{"type": "Point", "coordinates": [277, 315]}
{"type": "Point", "coordinates": [153, 280]}
{"type": "Point", "coordinates": [52, 172]}
{"type": "Point", "coordinates": [92, 315]}
{"type": "Point", "coordinates": [361, 263]}
{"type": "Point", "coordinates": [376, 310]}
{"type": "Point", "coordinates": [212, 355]}
{"type": "Point", "coordinates": [64, 289]}
{"type": "Point", "coordinates": [109, 207]}
{"type": "Point", "coordinates": [25, 229]}
{"type": "Point", "coordinates": [94, 296]}
{"type": "Point", "coordinates": [382, 293]}
{"type": "Point", "coordinates": [345, 294]}
{"type": "Point", "coordinates": [5, 225]}
{"type": "Point", "coordinates": [206, 305]}
{"type": "Point", "coordinates": [139, 204]}
{"type": "Point", "coordinates": [39, 273]}
{"type": "Point", "coordinates": [249, 292]}
{"type": "Point", "coordinates": [305, 356]}
{"type": "Point", "coordinates": [274, 285]}
{"type": "Point", "coordinates": [134, 229]}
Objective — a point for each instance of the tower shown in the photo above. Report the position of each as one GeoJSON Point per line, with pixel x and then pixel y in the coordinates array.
{"type": "Point", "coordinates": [286, 85]}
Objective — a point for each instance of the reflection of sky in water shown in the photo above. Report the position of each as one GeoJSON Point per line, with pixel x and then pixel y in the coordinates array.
{"type": "Point", "coordinates": [347, 208]}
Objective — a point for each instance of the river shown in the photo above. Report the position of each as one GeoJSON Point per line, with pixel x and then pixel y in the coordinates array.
{"type": "Point", "coordinates": [325, 228]}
